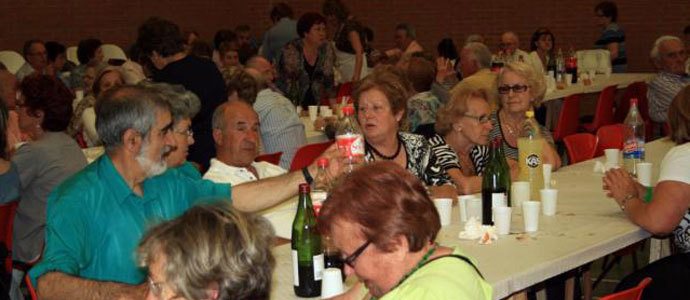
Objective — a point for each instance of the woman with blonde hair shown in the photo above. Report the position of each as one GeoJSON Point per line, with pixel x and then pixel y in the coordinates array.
{"type": "Point", "coordinates": [462, 133]}
{"type": "Point", "coordinates": [521, 88]}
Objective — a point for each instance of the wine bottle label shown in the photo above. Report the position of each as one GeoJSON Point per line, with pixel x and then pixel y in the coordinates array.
{"type": "Point", "coordinates": [295, 268]}
{"type": "Point", "coordinates": [498, 200]}
{"type": "Point", "coordinates": [318, 266]}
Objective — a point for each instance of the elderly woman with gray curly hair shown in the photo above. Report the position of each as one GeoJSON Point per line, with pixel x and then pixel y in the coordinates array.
{"type": "Point", "coordinates": [211, 252]}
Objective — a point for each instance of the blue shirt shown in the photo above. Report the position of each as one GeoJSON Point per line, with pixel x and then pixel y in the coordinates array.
{"type": "Point", "coordinates": [95, 220]}
{"type": "Point", "coordinates": [614, 34]}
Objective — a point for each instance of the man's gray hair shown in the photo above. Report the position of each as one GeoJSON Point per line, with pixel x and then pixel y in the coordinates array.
{"type": "Point", "coordinates": [409, 29]}
{"type": "Point", "coordinates": [218, 119]}
{"type": "Point", "coordinates": [474, 38]}
{"type": "Point", "coordinates": [480, 54]}
{"type": "Point", "coordinates": [184, 104]}
{"type": "Point", "coordinates": [654, 54]}
{"type": "Point", "coordinates": [126, 107]}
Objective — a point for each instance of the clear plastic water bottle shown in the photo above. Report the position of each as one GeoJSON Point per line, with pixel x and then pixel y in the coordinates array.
{"type": "Point", "coordinates": [633, 139]}
{"type": "Point", "coordinates": [321, 185]}
{"type": "Point", "coordinates": [560, 70]}
{"type": "Point", "coordinates": [349, 137]}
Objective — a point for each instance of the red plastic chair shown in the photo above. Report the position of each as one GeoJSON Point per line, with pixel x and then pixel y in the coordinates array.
{"type": "Point", "coordinates": [7, 212]}
{"type": "Point", "coordinates": [568, 119]}
{"type": "Point", "coordinates": [604, 111]}
{"type": "Point", "coordinates": [306, 155]}
{"type": "Point", "coordinates": [610, 136]}
{"type": "Point", "coordinates": [30, 287]}
{"type": "Point", "coordinates": [630, 294]}
{"type": "Point", "coordinates": [580, 146]}
{"type": "Point", "coordinates": [637, 90]}
{"type": "Point", "coordinates": [273, 158]}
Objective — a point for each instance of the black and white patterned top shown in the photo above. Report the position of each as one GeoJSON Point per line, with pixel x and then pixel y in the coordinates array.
{"type": "Point", "coordinates": [421, 160]}
{"type": "Point", "coordinates": [674, 167]}
{"type": "Point", "coordinates": [448, 159]}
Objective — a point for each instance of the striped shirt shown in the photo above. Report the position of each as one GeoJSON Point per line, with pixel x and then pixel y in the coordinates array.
{"type": "Point", "coordinates": [510, 151]}
{"type": "Point", "coordinates": [281, 128]}
{"type": "Point", "coordinates": [661, 91]}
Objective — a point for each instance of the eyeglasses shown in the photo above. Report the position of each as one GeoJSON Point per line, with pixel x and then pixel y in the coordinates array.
{"type": "Point", "coordinates": [156, 287]}
{"type": "Point", "coordinates": [483, 119]}
{"type": "Point", "coordinates": [518, 88]}
{"type": "Point", "coordinates": [350, 260]}
{"type": "Point", "coordinates": [187, 133]}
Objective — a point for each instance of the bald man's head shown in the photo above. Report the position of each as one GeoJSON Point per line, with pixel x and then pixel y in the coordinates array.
{"type": "Point", "coordinates": [510, 42]}
{"type": "Point", "coordinates": [263, 66]}
{"type": "Point", "coordinates": [236, 133]}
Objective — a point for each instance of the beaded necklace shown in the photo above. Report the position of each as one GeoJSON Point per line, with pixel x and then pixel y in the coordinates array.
{"type": "Point", "coordinates": [420, 264]}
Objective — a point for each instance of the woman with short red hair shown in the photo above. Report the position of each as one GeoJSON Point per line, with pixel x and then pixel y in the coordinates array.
{"type": "Point", "coordinates": [381, 217]}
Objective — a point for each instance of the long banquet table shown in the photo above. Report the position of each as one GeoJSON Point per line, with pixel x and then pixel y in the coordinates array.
{"type": "Point", "coordinates": [621, 80]}
{"type": "Point", "coordinates": [587, 226]}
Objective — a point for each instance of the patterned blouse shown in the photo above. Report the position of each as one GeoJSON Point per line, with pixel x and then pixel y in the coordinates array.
{"type": "Point", "coordinates": [76, 127]}
{"type": "Point", "coordinates": [294, 79]}
{"type": "Point", "coordinates": [421, 109]}
{"type": "Point", "coordinates": [421, 159]}
{"type": "Point", "coordinates": [448, 159]}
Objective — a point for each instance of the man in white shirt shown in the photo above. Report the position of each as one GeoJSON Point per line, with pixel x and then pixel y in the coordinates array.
{"type": "Point", "coordinates": [510, 43]}
{"type": "Point", "coordinates": [36, 59]}
{"type": "Point", "coordinates": [237, 138]}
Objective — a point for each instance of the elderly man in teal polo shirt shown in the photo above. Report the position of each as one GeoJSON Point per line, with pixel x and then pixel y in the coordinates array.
{"type": "Point", "coordinates": [95, 218]}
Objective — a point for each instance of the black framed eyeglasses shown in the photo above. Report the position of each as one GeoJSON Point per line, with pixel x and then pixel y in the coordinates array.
{"type": "Point", "coordinates": [350, 260]}
{"type": "Point", "coordinates": [518, 88]}
{"type": "Point", "coordinates": [483, 119]}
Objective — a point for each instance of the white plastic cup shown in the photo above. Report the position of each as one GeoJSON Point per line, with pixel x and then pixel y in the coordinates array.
{"type": "Point", "coordinates": [502, 219]}
{"type": "Point", "coordinates": [520, 192]}
{"type": "Point", "coordinates": [644, 173]}
{"type": "Point", "coordinates": [462, 205]}
{"type": "Point", "coordinates": [298, 109]}
{"type": "Point", "coordinates": [313, 112]}
{"type": "Point", "coordinates": [546, 170]}
{"type": "Point", "coordinates": [530, 215]}
{"type": "Point", "coordinates": [611, 158]}
{"type": "Point", "coordinates": [549, 201]}
{"type": "Point", "coordinates": [444, 206]}
{"type": "Point", "coordinates": [568, 79]}
{"type": "Point", "coordinates": [332, 283]}
{"type": "Point", "coordinates": [474, 208]}
{"type": "Point", "coordinates": [322, 109]}
{"type": "Point", "coordinates": [327, 113]}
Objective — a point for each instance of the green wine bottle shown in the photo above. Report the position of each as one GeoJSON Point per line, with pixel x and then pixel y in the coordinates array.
{"type": "Point", "coordinates": [307, 254]}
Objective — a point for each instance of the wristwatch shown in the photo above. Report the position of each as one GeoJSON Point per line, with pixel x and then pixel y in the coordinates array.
{"type": "Point", "coordinates": [627, 197]}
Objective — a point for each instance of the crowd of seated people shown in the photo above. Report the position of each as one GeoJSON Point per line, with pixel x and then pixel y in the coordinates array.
{"type": "Point", "coordinates": [183, 120]}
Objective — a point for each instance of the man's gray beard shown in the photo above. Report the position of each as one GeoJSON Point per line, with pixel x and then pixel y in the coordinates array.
{"type": "Point", "coordinates": [150, 167]}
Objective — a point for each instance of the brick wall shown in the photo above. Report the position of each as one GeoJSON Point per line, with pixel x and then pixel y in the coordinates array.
{"type": "Point", "coordinates": [115, 21]}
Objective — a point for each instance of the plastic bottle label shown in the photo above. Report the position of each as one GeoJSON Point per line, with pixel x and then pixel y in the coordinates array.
{"type": "Point", "coordinates": [533, 160]}
{"type": "Point", "coordinates": [352, 143]}
{"type": "Point", "coordinates": [295, 268]}
{"type": "Point", "coordinates": [318, 266]}
{"type": "Point", "coordinates": [633, 149]}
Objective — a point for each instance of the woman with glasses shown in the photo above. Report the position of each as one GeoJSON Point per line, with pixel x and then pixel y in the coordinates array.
{"type": "Point", "coordinates": [462, 128]}
{"type": "Point", "coordinates": [381, 104]}
{"type": "Point", "coordinates": [520, 89]}
{"type": "Point", "coordinates": [388, 237]}
{"type": "Point", "coordinates": [184, 105]}
{"type": "Point", "coordinates": [211, 252]}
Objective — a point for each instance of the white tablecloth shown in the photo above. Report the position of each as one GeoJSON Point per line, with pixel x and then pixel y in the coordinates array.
{"type": "Point", "coordinates": [313, 135]}
{"type": "Point", "coordinates": [622, 80]}
{"type": "Point", "coordinates": [587, 226]}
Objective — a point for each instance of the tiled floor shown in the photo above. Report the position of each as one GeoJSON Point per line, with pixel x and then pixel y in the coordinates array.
{"type": "Point", "coordinates": [625, 267]}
